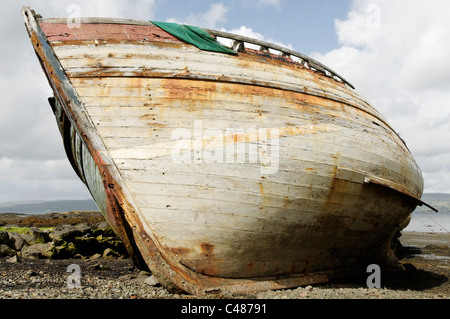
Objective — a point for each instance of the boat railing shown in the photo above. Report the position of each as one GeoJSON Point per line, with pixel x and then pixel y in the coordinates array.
{"type": "Point", "coordinates": [239, 42]}
{"type": "Point", "coordinates": [238, 45]}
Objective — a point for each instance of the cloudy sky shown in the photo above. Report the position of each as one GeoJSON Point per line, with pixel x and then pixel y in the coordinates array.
{"type": "Point", "coordinates": [395, 52]}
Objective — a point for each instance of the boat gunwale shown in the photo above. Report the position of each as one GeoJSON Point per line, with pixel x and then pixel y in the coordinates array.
{"type": "Point", "coordinates": [305, 61]}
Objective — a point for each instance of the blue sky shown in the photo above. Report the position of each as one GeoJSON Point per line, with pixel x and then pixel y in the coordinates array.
{"type": "Point", "coordinates": [307, 25]}
{"type": "Point", "coordinates": [394, 52]}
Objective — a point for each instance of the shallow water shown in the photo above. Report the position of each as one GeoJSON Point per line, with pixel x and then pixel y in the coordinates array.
{"type": "Point", "coordinates": [429, 222]}
{"type": "Point", "coordinates": [433, 256]}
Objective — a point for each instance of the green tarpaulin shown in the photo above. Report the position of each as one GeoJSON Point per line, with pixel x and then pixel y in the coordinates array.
{"type": "Point", "coordinates": [193, 35]}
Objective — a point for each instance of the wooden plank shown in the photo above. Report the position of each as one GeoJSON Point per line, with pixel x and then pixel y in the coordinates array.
{"type": "Point", "coordinates": [95, 20]}
{"type": "Point", "coordinates": [149, 87]}
{"type": "Point", "coordinates": [151, 59]}
{"type": "Point", "coordinates": [105, 31]}
{"type": "Point", "coordinates": [98, 20]}
{"type": "Point", "coordinates": [241, 102]}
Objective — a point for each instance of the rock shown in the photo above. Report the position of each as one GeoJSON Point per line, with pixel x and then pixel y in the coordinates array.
{"type": "Point", "coordinates": [66, 241]}
{"type": "Point", "coordinates": [84, 228]}
{"type": "Point", "coordinates": [30, 273]}
{"type": "Point", "coordinates": [141, 277]}
{"type": "Point", "coordinates": [152, 281]}
{"type": "Point", "coordinates": [38, 251]}
{"type": "Point", "coordinates": [27, 238]}
{"type": "Point", "coordinates": [144, 273]}
{"type": "Point", "coordinates": [14, 259]}
{"type": "Point", "coordinates": [114, 243]}
{"type": "Point", "coordinates": [110, 252]}
{"type": "Point", "coordinates": [4, 238]}
{"type": "Point", "coordinates": [40, 237]}
{"type": "Point", "coordinates": [65, 250]}
{"type": "Point", "coordinates": [128, 277]}
{"type": "Point", "coordinates": [87, 246]}
{"type": "Point", "coordinates": [66, 233]}
{"type": "Point", "coordinates": [5, 251]}
{"type": "Point", "coordinates": [103, 228]}
{"type": "Point", "coordinates": [103, 224]}
{"type": "Point", "coordinates": [16, 241]}
{"type": "Point", "coordinates": [101, 267]}
{"type": "Point", "coordinates": [95, 256]}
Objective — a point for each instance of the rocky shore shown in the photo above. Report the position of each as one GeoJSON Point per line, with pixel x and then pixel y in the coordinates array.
{"type": "Point", "coordinates": [43, 256]}
{"type": "Point", "coordinates": [78, 235]}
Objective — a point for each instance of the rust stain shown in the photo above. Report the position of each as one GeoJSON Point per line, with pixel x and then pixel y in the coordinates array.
{"type": "Point", "coordinates": [306, 267]}
{"type": "Point", "coordinates": [207, 249]}
{"type": "Point", "coordinates": [189, 91]}
{"type": "Point", "coordinates": [293, 269]}
{"type": "Point", "coordinates": [250, 268]}
{"type": "Point", "coordinates": [184, 89]}
{"type": "Point", "coordinates": [207, 265]}
{"type": "Point", "coordinates": [157, 124]}
{"type": "Point", "coordinates": [150, 118]}
{"type": "Point", "coordinates": [146, 116]}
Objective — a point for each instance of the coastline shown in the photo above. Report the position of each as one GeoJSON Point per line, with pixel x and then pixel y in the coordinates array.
{"type": "Point", "coordinates": [425, 256]}
{"type": "Point", "coordinates": [422, 239]}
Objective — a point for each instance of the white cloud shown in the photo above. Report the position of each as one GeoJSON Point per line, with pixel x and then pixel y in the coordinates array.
{"type": "Point", "coordinates": [136, 9]}
{"type": "Point", "coordinates": [248, 32]}
{"type": "Point", "coordinates": [262, 3]}
{"type": "Point", "coordinates": [214, 16]}
{"type": "Point", "coordinates": [31, 179]}
{"type": "Point", "coordinates": [396, 54]}
{"type": "Point", "coordinates": [273, 3]}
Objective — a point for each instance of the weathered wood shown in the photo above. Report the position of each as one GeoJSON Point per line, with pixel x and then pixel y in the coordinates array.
{"type": "Point", "coordinates": [106, 31]}
{"type": "Point", "coordinates": [283, 50]}
{"type": "Point", "coordinates": [97, 60]}
{"type": "Point", "coordinates": [98, 20]}
{"type": "Point", "coordinates": [276, 187]}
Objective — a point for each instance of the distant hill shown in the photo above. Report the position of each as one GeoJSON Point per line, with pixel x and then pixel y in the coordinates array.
{"type": "Point", "coordinates": [42, 207]}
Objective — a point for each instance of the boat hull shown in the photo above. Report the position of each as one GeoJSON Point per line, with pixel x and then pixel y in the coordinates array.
{"type": "Point", "coordinates": [220, 172]}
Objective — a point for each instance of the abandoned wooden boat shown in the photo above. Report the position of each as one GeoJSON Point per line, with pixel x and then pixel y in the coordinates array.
{"type": "Point", "coordinates": [228, 169]}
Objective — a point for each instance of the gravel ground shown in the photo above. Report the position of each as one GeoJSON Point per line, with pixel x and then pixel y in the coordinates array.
{"type": "Point", "coordinates": [100, 279]}
{"type": "Point", "coordinates": [426, 276]}
{"type": "Point", "coordinates": [425, 256]}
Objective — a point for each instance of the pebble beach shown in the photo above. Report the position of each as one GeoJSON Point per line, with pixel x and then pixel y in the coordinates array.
{"type": "Point", "coordinates": [425, 256]}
